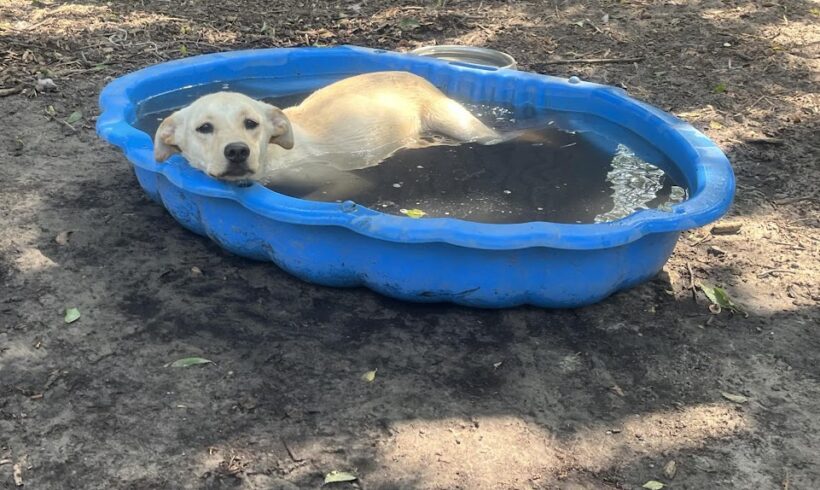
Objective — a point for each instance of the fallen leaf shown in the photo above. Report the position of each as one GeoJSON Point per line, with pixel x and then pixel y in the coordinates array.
{"type": "Point", "coordinates": [72, 315]}
{"type": "Point", "coordinates": [720, 88]}
{"type": "Point", "coordinates": [62, 237]}
{"type": "Point", "coordinates": [369, 376]}
{"type": "Point", "coordinates": [190, 361]}
{"type": "Point", "coordinates": [739, 399]}
{"type": "Point", "coordinates": [653, 485]}
{"type": "Point", "coordinates": [720, 298]}
{"type": "Point", "coordinates": [183, 50]}
{"type": "Point", "coordinates": [498, 364]}
{"type": "Point", "coordinates": [617, 390]}
{"type": "Point", "coordinates": [339, 476]}
{"type": "Point", "coordinates": [715, 125]}
{"type": "Point", "coordinates": [580, 23]}
{"type": "Point", "coordinates": [413, 213]}
{"type": "Point", "coordinates": [74, 117]}
{"type": "Point", "coordinates": [50, 111]}
{"type": "Point", "coordinates": [670, 469]}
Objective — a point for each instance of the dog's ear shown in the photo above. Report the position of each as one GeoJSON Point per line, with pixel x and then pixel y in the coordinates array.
{"type": "Point", "coordinates": [282, 132]}
{"type": "Point", "coordinates": [165, 138]}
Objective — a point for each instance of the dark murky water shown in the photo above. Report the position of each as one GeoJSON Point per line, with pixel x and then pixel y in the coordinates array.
{"type": "Point", "coordinates": [571, 168]}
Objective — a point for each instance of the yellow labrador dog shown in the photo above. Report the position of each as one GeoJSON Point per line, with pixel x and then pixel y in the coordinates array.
{"type": "Point", "coordinates": [351, 124]}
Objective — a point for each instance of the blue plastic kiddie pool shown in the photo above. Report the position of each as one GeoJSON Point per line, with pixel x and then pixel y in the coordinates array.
{"type": "Point", "coordinates": [430, 259]}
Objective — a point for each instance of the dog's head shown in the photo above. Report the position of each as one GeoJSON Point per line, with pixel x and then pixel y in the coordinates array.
{"type": "Point", "coordinates": [224, 134]}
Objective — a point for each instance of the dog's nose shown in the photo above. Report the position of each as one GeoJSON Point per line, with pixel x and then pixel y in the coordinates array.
{"type": "Point", "coordinates": [237, 152]}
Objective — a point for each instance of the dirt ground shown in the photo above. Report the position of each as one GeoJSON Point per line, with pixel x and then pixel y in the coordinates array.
{"type": "Point", "coordinates": [600, 397]}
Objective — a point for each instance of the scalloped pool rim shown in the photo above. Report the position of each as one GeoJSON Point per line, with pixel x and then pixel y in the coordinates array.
{"type": "Point", "coordinates": [710, 196]}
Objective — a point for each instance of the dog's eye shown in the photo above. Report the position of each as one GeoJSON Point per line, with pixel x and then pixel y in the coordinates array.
{"type": "Point", "coordinates": [206, 128]}
{"type": "Point", "coordinates": [250, 124]}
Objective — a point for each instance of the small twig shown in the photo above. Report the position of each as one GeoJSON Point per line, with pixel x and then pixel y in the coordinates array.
{"type": "Point", "coordinates": [755, 103]}
{"type": "Point", "coordinates": [692, 282]}
{"type": "Point", "coordinates": [72, 128]}
{"type": "Point", "coordinates": [5, 92]}
{"type": "Point", "coordinates": [75, 71]}
{"type": "Point", "coordinates": [799, 220]}
{"type": "Point", "coordinates": [290, 452]}
{"type": "Point", "coordinates": [593, 61]}
{"type": "Point", "coordinates": [593, 25]}
{"type": "Point", "coordinates": [765, 141]}
{"type": "Point", "coordinates": [790, 245]}
{"type": "Point", "coordinates": [774, 271]}
{"type": "Point", "coordinates": [32, 26]}
{"type": "Point", "coordinates": [793, 200]}
{"type": "Point", "coordinates": [702, 240]}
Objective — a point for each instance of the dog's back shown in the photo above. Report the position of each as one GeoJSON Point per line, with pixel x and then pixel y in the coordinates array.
{"type": "Point", "coordinates": [382, 112]}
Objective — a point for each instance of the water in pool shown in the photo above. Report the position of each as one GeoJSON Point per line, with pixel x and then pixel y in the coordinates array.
{"type": "Point", "coordinates": [572, 168]}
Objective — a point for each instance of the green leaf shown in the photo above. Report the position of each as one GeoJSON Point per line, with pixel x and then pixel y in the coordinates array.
{"type": "Point", "coordinates": [190, 361]}
{"type": "Point", "coordinates": [720, 88]}
{"type": "Point", "coordinates": [74, 117]}
{"type": "Point", "coordinates": [72, 315]}
{"type": "Point", "coordinates": [369, 376]}
{"type": "Point", "coordinates": [183, 50]}
{"type": "Point", "coordinates": [739, 399]}
{"type": "Point", "coordinates": [653, 485]}
{"type": "Point", "coordinates": [719, 296]}
{"type": "Point", "coordinates": [408, 24]}
{"type": "Point", "coordinates": [339, 476]}
{"type": "Point", "coordinates": [413, 213]}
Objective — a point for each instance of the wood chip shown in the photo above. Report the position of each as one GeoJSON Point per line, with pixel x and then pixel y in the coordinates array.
{"type": "Point", "coordinates": [670, 469]}
{"type": "Point", "coordinates": [716, 251]}
{"type": "Point", "coordinates": [18, 474]}
{"type": "Point", "coordinates": [726, 229]}
{"type": "Point", "coordinates": [62, 237]}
